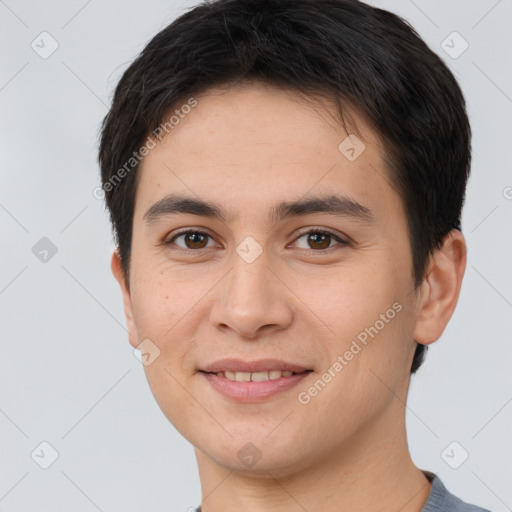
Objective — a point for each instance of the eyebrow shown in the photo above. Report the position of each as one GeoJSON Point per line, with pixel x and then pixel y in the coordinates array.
{"type": "Point", "coordinates": [333, 204]}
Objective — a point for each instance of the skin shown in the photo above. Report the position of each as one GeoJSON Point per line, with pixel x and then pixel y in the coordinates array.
{"type": "Point", "coordinates": [248, 148]}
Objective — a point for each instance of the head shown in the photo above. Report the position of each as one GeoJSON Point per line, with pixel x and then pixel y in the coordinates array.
{"type": "Point", "coordinates": [266, 120]}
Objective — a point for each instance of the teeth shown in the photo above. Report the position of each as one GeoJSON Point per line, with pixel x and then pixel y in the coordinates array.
{"type": "Point", "coordinates": [259, 376]}
{"type": "Point", "coordinates": [256, 376]}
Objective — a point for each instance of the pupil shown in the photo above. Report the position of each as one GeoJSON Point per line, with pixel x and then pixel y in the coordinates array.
{"type": "Point", "coordinates": [322, 242]}
{"type": "Point", "coordinates": [192, 237]}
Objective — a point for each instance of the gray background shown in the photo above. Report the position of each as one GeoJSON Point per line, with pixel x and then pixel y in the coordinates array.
{"type": "Point", "coordinates": [68, 373]}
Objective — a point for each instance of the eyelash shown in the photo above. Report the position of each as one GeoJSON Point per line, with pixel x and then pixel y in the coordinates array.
{"type": "Point", "coordinates": [322, 231]}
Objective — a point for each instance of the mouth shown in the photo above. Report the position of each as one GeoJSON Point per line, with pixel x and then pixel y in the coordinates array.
{"type": "Point", "coordinates": [256, 376]}
{"type": "Point", "coordinates": [258, 366]}
{"type": "Point", "coordinates": [255, 381]}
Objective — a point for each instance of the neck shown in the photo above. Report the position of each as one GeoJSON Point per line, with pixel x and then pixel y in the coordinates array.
{"type": "Point", "coordinates": [372, 470]}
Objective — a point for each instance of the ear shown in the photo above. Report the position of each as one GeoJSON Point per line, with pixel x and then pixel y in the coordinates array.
{"type": "Point", "coordinates": [440, 289]}
{"type": "Point", "coordinates": [118, 272]}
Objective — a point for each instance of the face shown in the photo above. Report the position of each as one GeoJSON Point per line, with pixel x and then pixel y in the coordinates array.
{"type": "Point", "coordinates": [259, 283]}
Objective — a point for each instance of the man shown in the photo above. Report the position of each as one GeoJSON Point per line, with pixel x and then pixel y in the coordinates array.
{"type": "Point", "coordinates": [285, 181]}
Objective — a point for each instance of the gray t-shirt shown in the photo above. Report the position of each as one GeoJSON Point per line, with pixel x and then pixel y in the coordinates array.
{"type": "Point", "coordinates": [439, 499]}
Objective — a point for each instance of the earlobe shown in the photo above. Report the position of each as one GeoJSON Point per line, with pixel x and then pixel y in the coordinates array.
{"type": "Point", "coordinates": [117, 271]}
{"type": "Point", "coordinates": [440, 288]}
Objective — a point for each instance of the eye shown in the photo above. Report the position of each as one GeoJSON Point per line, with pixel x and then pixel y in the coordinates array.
{"type": "Point", "coordinates": [192, 239]}
{"type": "Point", "coordinates": [319, 239]}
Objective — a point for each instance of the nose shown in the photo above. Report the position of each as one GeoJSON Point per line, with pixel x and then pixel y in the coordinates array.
{"type": "Point", "coordinates": [252, 301]}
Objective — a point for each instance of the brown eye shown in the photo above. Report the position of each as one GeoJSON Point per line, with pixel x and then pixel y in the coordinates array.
{"type": "Point", "coordinates": [195, 240]}
{"type": "Point", "coordinates": [318, 240]}
{"type": "Point", "coordinates": [191, 239]}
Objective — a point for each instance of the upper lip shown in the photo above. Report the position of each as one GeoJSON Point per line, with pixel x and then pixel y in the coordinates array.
{"type": "Point", "coordinates": [261, 365]}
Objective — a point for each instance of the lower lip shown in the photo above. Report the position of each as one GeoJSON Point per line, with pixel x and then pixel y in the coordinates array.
{"type": "Point", "coordinates": [250, 392]}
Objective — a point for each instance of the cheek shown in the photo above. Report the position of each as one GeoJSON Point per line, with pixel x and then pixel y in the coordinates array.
{"type": "Point", "coordinates": [162, 312]}
{"type": "Point", "coordinates": [350, 297]}
{"type": "Point", "coordinates": [160, 298]}
{"type": "Point", "coordinates": [168, 307]}
{"type": "Point", "coordinates": [366, 309]}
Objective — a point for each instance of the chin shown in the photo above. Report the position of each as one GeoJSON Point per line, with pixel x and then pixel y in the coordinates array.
{"type": "Point", "coordinates": [261, 457]}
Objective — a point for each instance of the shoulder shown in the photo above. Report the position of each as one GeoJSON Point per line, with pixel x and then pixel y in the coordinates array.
{"type": "Point", "coordinates": [441, 500]}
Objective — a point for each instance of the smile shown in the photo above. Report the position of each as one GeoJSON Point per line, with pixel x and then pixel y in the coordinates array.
{"type": "Point", "coordinates": [254, 387]}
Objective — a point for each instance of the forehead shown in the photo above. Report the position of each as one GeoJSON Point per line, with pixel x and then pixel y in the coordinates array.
{"type": "Point", "coordinates": [257, 144]}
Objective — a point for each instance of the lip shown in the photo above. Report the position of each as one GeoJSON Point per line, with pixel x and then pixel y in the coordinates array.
{"type": "Point", "coordinates": [261, 365]}
{"type": "Point", "coordinates": [253, 392]}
